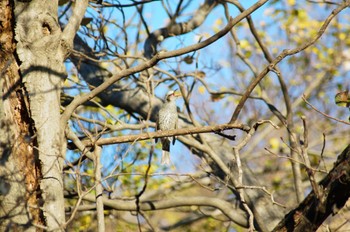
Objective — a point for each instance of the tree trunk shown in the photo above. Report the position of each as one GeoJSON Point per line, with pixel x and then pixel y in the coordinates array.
{"type": "Point", "coordinates": [32, 71]}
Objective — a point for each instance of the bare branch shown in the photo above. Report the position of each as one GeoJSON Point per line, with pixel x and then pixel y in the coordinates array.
{"type": "Point", "coordinates": [74, 22]}
{"type": "Point", "coordinates": [135, 3]}
{"type": "Point", "coordinates": [178, 28]}
{"type": "Point", "coordinates": [170, 133]}
{"type": "Point", "coordinates": [234, 214]}
{"type": "Point", "coordinates": [326, 115]}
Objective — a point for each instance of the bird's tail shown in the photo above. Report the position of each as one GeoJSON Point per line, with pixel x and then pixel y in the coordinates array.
{"type": "Point", "coordinates": [165, 158]}
{"type": "Point", "coordinates": [165, 151]}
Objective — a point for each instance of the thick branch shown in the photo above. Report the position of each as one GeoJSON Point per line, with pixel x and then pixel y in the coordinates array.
{"type": "Point", "coordinates": [178, 28]}
{"type": "Point", "coordinates": [234, 214]}
{"type": "Point", "coordinates": [312, 212]}
{"type": "Point", "coordinates": [74, 22]}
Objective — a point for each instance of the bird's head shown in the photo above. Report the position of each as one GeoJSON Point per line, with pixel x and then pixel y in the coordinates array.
{"type": "Point", "coordinates": [172, 95]}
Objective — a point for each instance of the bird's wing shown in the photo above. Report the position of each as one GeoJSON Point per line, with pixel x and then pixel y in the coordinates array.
{"type": "Point", "coordinates": [157, 126]}
{"type": "Point", "coordinates": [174, 138]}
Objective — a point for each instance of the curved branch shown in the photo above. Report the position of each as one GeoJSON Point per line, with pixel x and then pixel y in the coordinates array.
{"type": "Point", "coordinates": [234, 214]}
{"type": "Point", "coordinates": [159, 35]}
{"type": "Point", "coordinates": [324, 114]}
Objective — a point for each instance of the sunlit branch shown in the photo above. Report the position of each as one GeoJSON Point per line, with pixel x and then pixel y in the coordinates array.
{"type": "Point", "coordinates": [161, 134]}
{"type": "Point", "coordinates": [135, 3]}
{"type": "Point", "coordinates": [73, 24]}
{"type": "Point", "coordinates": [174, 29]}
{"type": "Point", "coordinates": [234, 214]}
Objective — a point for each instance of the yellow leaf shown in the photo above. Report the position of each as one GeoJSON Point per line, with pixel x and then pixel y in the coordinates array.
{"type": "Point", "coordinates": [201, 89]}
{"type": "Point", "coordinates": [105, 65]}
{"type": "Point", "coordinates": [109, 120]}
{"type": "Point", "coordinates": [291, 2]}
{"type": "Point", "coordinates": [302, 15]}
{"type": "Point", "coordinates": [315, 50]}
{"type": "Point", "coordinates": [85, 222]}
{"type": "Point", "coordinates": [110, 108]}
{"type": "Point", "coordinates": [321, 94]}
{"type": "Point", "coordinates": [244, 44]}
{"type": "Point", "coordinates": [218, 22]}
{"type": "Point", "coordinates": [299, 129]}
{"type": "Point", "coordinates": [67, 83]}
{"type": "Point", "coordinates": [342, 36]}
{"type": "Point", "coordinates": [258, 91]}
{"type": "Point", "coordinates": [275, 50]}
{"type": "Point", "coordinates": [274, 143]}
{"type": "Point", "coordinates": [330, 51]}
{"type": "Point", "coordinates": [90, 172]}
{"type": "Point", "coordinates": [104, 29]}
{"type": "Point", "coordinates": [217, 25]}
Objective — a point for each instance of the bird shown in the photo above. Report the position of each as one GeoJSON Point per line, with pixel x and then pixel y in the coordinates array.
{"type": "Point", "coordinates": [167, 120]}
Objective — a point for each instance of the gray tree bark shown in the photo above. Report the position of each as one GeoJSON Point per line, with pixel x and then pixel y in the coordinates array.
{"type": "Point", "coordinates": [40, 52]}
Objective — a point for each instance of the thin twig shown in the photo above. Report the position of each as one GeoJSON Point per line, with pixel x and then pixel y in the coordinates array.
{"type": "Point", "coordinates": [324, 114]}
